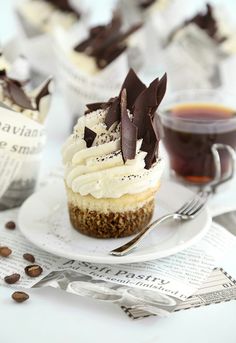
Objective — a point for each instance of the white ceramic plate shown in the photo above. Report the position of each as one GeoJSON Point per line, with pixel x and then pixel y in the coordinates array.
{"type": "Point", "coordinates": [43, 219]}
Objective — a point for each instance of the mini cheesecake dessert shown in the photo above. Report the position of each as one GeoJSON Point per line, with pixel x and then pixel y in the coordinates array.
{"type": "Point", "coordinates": [40, 16]}
{"type": "Point", "coordinates": [103, 45]}
{"type": "Point", "coordinates": [112, 166]}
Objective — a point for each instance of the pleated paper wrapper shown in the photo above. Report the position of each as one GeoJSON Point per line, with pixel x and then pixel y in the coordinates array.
{"type": "Point", "coordinates": [21, 143]}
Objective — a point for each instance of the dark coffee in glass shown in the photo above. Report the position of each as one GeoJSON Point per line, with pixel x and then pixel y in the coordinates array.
{"type": "Point", "coordinates": [190, 130]}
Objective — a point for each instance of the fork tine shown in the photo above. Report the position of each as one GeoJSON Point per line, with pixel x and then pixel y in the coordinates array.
{"type": "Point", "coordinates": [196, 210]}
{"type": "Point", "coordinates": [191, 204]}
{"type": "Point", "coordinates": [201, 202]}
{"type": "Point", "coordinates": [186, 205]}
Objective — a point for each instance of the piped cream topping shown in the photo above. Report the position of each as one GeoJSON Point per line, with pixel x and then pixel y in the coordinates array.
{"type": "Point", "coordinates": [100, 170]}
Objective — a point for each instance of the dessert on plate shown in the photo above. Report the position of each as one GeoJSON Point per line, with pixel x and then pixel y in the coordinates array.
{"type": "Point", "coordinates": [112, 166]}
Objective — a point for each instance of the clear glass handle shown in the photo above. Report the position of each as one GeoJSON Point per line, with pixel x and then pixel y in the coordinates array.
{"type": "Point", "coordinates": [218, 180]}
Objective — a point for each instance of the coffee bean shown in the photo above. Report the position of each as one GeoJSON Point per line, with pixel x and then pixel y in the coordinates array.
{"type": "Point", "coordinates": [29, 257]}
{"type": "Point", "coordinates": [33, 270]}
{"type": "Point", "coordinates": [10, 225]}
{"type": "Point", "coordinates": [5, 251]}
{"type": "Point", "coordinates": [19, 297]}
{"type": "Point", "coordinates": [13, 278]}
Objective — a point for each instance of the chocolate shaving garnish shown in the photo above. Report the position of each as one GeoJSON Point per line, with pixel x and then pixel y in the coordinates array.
{"type": "Point", "coordinates": [160, 92]}
{"type": "Point", "coordinates": [147, 103]}
{"type": "Point", "coordinates": [44, 90]}
{"type": "Point", "coordinates": [128, 131]}
{"type": "Point", "coordinates": [89, 136]}
{"type": "Point", "coordinates": [64, 6]}
{"type": "Point", "coordinates": [142, 102]}
{"type": "Point", "coordinates": [96, 106]}
{"type": "Point", "coordinates": [13, 91]}
{"type": "Point", "coordinates": [133, 86]}
{"type": "Point", "coordinates": [106, 42]}
{"type": "Point", "coordinates": [206, 22]}
{"type": "Point", "coordinates": [150, 143]}
{"type": "Point", "coordinates": [113, 114]}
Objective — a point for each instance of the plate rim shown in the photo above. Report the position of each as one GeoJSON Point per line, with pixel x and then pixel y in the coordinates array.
{"type": "Point", "coordinates": [114, 259]}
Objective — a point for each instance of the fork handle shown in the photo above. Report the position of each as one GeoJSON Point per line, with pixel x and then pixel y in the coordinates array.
{"type": "Point", "coordinates": [129, 246]}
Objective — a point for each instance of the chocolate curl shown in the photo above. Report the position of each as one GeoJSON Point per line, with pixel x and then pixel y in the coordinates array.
{"type": "Point", "coordinates": [89, 136]}
{"type": "Point", "coordinates": [128, 131]}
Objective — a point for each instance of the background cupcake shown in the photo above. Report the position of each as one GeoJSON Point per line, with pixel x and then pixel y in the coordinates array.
{"type": "Point", "coordinates": [112, 166]}
{"type": "Point", "coordinates": [20, 159]}
{"type": "Point", "coordinates": [93, 63]}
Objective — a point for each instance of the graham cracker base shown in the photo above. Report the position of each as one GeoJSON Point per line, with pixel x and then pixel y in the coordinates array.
{"type": "Point", "coordinates": [112, 224]}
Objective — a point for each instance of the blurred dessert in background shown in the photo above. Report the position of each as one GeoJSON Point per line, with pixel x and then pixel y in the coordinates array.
{"type": "Point", "coordinates": [103, 45]}
{"type": "Point", "coordinates": [43, 15]}
{"type": "Point", "coordinates": [34, 104]}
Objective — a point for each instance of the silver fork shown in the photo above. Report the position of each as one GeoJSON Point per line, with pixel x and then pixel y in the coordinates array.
{"type": "Point", "coordinates": [188, 211]}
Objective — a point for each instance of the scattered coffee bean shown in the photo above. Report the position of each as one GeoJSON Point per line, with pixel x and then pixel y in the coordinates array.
{"type": "Point", "coordinates": [13, 278]}
{"type": "Point", "coordinates": [19, 297]}
{"type": "Point", "coordinates": [33, 270]}
{"type": "Point", "coordinates": [29, 257]}
{"type": "Point", "coordinates": [10, 225]}
{"type": "Point", "coordinates": [5, 251]}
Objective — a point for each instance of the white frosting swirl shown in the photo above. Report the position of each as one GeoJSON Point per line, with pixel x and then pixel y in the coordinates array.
{"type": "Point", "coordinates": [100, 170]}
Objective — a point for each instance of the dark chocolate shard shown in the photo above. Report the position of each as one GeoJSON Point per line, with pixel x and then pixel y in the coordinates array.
{"type": "Point", "coordinates": [206, 21]}
{"type": "Point", "coordinates": [161, 89]}
{"type": "Point", "coordinates": [14, 91]}
{"type": "Point", "coordinates": [113, 114]}
{"type": "Point", "coordinates": [133, 86]}
{"type": "Point", "coordinates": [147, 103]}
{"type": "Point", "coordinates": [128, 131]}
{"type": "Point", "coordinates": [17, 95]}
{"type": "Point", "coordinates": [106, 42]}
{"type": "Point", "coordinates": [43, 91]}
{"type": "Point", "coordinates": [96, 106]}
{"type": "Point", "coordinates": [150, 143]}
{"type": "Point", "coordinates": [89, 136]}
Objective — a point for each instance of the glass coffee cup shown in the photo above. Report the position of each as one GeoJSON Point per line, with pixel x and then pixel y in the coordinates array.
{"type": "Point", "coordinates": [199, 127]}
